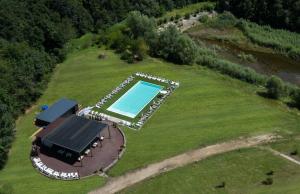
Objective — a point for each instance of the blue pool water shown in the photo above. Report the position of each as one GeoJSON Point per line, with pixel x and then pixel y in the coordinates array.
{"type": "Point", "coordinates": [135, 99]}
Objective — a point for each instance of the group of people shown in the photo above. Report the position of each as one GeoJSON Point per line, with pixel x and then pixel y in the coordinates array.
{"type": "Point", "coordinates": [52, 173]}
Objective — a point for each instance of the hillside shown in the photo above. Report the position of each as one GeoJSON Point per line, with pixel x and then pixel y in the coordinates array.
{"type": "Point", "coordinates": [225, 109]}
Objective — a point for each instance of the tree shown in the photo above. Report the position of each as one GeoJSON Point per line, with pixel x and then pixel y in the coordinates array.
{"type": "Point", "coordinates": [140, 25]}
{"type": "Point", "coordinates": [275, 87]}
{"type": "Point", "coordinates": [174, 46]}
{"type": "Point", "coordinates": [296, 98]}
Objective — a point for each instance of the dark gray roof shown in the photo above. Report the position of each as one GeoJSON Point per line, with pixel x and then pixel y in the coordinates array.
{"type": "Point", "coordinates": [75, 133]}
{"type": "Point", "coordinates": [56, 110]}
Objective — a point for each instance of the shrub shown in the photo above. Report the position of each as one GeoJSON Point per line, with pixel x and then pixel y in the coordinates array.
{"type": "Point", "coordinates": [275, 88]}
{"type": "Point", "coordinates": [174, 46]}
{"type": "Point", "coordinates": [177, 17]}
{"type": "Point", "coordinates": [187, 16]}
{"type": "Point", "coordinates": [270, 173]}
{"type": "Point", "coordinates": [268, 181]}
{"type": "Point", "coordinates": [294, 152]}
{"type": "Point", "coordinates": [234, 70]}
{"type": "Point", "coordinates": [140, 25]}
{"type": "Point", "coordinates": [204, 19]}
{"type": "Point", "coordinates": [296, 98]}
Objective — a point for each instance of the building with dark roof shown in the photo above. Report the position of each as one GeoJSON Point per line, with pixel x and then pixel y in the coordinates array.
{"type": "Point", "coordinates": [74, 134]}
{"type": "Point", "coordinates": [61, 108]}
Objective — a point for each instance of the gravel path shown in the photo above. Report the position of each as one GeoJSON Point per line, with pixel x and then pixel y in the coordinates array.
{"type": "Point", "coordinates": [119, 183]}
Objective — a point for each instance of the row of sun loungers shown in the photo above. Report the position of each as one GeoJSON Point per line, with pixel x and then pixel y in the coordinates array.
{"type": "Point", "coordinates": [157, 78]}
{"type": "Point", "coordinates": [116, 90]}
{"type": "Point", "coordinates": [155, 105]}
{"type": "Point", "coordinates": [52, 173]}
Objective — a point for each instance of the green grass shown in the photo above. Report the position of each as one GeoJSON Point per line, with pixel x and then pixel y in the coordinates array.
{"type": "Point", "coordinates": [206, 108]}
{"type": "Point", "coordinates": [187, 9]}
{"type": "Point", "coordinates": [242, 171]}
{"type": "Point", "coordinates": [287, 146]}
{"type": "Point", "coordinates": [109, 102]}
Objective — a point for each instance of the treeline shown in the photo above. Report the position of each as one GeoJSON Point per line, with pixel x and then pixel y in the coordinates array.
{"type": "Point", "coordinates": [276, 13]}
{"type": "Point", "coordinates": [134, 40]}
{"type": "Point", "coordinates": [32, 38]}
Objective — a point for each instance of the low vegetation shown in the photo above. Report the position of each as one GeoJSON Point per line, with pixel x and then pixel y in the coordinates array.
{"type": "Point", "coordinates": [281, 40]}
{"type": "Point", "coordinates": [209, 107]}
{"type": "Point", "coordinates": [136, 37]}
{"type": "Point", "coordinates": [186, 11]}
{"type": "Point", "coordinates": [34, 36]}
{"type": "Point", "coordinates": [275, 88]}
{"type": "Point", "coordinates": [244, 171]}
{"type": "Point", "coordinates": [134, 41]}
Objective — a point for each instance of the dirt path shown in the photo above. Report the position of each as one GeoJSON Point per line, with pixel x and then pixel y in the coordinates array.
{"type": "Point", "coordinates": [119, 183]}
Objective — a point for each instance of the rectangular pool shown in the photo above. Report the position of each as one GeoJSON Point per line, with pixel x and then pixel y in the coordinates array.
{"type": "Point", "coordinates": [135, 99]}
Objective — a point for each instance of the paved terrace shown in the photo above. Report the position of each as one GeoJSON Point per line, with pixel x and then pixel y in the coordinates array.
{"type": "Point", "coordinates": [98, 159]}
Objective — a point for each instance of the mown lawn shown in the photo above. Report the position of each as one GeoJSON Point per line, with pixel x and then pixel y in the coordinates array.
{"type": "Point", "coordinates": [206, 108]}
{"type": "Point", "coordinates": [242, 171]}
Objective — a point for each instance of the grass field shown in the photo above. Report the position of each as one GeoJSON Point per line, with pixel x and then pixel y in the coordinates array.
{"type": "Point", "coordinates": [231, 168]}
{"type": "Point", "coordinates": [206, 108]}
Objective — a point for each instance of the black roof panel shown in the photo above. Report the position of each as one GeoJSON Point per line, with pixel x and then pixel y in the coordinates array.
{"type": "Point", "coordinates": [75, 133]}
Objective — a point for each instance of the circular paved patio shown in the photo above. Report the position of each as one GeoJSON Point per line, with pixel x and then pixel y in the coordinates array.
{"type": "Point", "coordinates": [99, 159]}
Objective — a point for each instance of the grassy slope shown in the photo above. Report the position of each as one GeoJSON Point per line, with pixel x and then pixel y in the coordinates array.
{"type": "Point", "coordinates": [206, 108]}
{"type": "Point", "coordinates": [187, 9]}
{"type": "Point", "coordinates": [232, 168]}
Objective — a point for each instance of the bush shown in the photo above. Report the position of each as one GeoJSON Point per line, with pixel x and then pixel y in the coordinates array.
{"type": "Point", "coordinates": [187, 16]}
{"type": "Point", "coordinates": [177, 17]}
{"type": "Point", "coordinates": [140, 25]}
{"type": "Point", "coordinates": [275, 87]}
{"type": "Point", "coordinates": [294, 152]}
{"type": "Point", "coordinates": [204, 19]}
{"type": "Point", "coordinates": [268, 181]}
{"type": "Point", "coordinates": [234, 70]}
{"type": "Point", "coordinates": [174, 46]}
{"type": "Point", "coordinates": [296, 98]}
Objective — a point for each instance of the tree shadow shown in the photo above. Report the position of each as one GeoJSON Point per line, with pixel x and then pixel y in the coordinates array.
{"type": "Point", "coordinates": [264, 94]}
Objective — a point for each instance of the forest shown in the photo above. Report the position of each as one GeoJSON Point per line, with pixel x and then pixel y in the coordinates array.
{"type": "Point", "coordinates": [283, 14]}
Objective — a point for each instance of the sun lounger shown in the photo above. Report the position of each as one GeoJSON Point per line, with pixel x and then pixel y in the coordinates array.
{"type": "Point", "coordinates": [87, 151]}
{"type": "Point", "coordinates": [80, 158]}
{"type": "Point", "coordinates": [95, 144]}
{"type": "Point", "coordinates": [63, 175]}
{"type": "Point", "coordinates": [56, 174]}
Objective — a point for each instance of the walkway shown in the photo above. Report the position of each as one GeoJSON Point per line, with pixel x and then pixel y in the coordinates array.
{"type": "Point", "coordinates": [119, 183]}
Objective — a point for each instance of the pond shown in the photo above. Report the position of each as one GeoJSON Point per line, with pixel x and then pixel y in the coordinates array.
{"type": "Point", "coordinates": [265, 62]}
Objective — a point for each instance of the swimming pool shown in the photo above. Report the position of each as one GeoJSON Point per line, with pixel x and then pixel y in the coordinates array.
{"type": "Point", "coordinates": [135, 99]}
